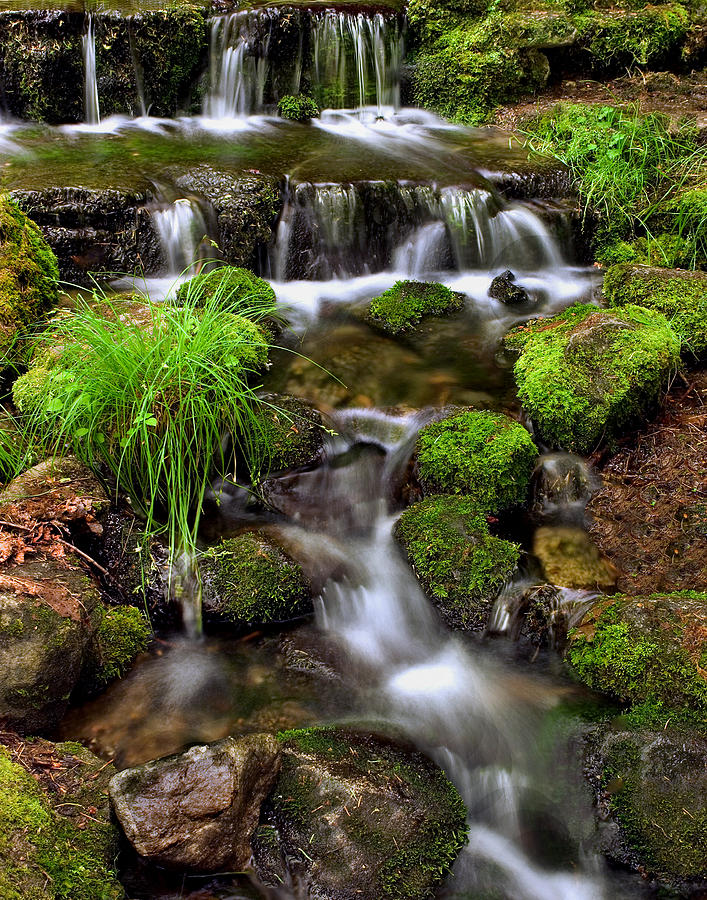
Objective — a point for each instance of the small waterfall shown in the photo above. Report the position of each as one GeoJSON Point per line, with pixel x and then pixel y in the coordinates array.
{"type": "Point", "coordinates": [181, 228]}
{"type": "Point", "coordinates": [238, 67]}
{"type": "Point", "coordinates": [425, 250]}
{"type": "Point", "coordinates": [90, 91]}
{"type": "Point", "coordinates": [357, 59]}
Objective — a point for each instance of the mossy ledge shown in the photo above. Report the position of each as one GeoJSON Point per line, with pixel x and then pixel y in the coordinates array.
{"type": "Point", "coordinates": [402, 307]}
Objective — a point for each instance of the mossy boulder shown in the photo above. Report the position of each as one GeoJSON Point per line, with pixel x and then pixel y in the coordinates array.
{"type": "Point", "coordinates": [353, 814]}
{"type": "Point", "coordinates": [290, 434]}
{"type": "Point", "coordinates": [486, 455]}
{"type": "Point", "coordinates": [680, 295]}
{"type": "Point", "coordinates": [231, 283]}
{"type": "Point", "coordinates": [250, 580]}
{"type": "Point", "coordinates": [651, 789]}
{"type": "Point", "coordinates": [120, 633]}
{"type": "Point", "coordinates": [28, 275]}
{"type": "Point", "coordinates": [57, 846]}
{"type": "Point", "coordinates": [570, 559]}
{"type": "Point", "coordinates": [649, 653]}
{"type": "Point", "coordinates": [459, 564]}
{"type": "Point", "coordinates": [299, 108]}
{"type": "Point", "coordinates": [586, 375]}
{"type": "Point", "coordinates": [402, 307]}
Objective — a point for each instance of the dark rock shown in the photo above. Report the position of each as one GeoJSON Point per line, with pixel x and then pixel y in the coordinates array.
{"type": "Point", "coordinates": [291, 433]}
{"type": "Point", "coordinates": [353, 815]}
{"type": "Point", "coordinates": [503, 289]}
{"type": "Point", "coordinates": [197, 811]}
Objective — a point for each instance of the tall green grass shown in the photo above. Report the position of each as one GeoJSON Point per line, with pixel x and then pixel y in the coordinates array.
{"type": "Point", "coordinates": [156, 400]}
{"type": "Point", "coordinates": [643, 174]}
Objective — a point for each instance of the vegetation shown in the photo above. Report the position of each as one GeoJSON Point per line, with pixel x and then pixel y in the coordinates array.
{"type": "Point", "coordinates": [403, 306]}
{"type": "Point", "coordinates": [480, 453]}
{"type": "Point", "coordinates": [231, 285]}
{"type": "Point", "coordinates": [121, 632]}
{"type": "Point", "coordinates": [299, 108]}
{"type": "Point", "coordinates": [643, 176]}
{"type": "Point", "coordinates": [290, 434]}
{"type": "Point", "coordinates": [459, 564]}
{"type": "Point", "coordinates": [587, 374]}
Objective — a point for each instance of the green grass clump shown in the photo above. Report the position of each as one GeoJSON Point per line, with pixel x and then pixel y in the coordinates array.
{"type": "Point", "coordinates": [640, 173]}
{"type": "Point", "coordinates": [121, 632]}
{"type": "Point", "coordinates": [587, 374]}
{"type": "Point", "coordinates": [42, 854]}
{"type": "Point", "coordinates": [249, 580]}
{"type": "Point", "coordinates": [459, 564]}
{"type": "Point", "coordinates": [480, 453]}
{"type": "Point", "coordinates": [231, 284]}
{"type": "Point", "coordinates": [153, 400]}
{"type": "Point", "coordinates": [28, 274]}
{"type": "Point", "coordinates": [403, 306]}
{"type": "Point", "coordinates": [679, 295]}
{"type": "Point", "coordinates": [299, 108]}
{"type": "Point", "coordinates": [648, 652]}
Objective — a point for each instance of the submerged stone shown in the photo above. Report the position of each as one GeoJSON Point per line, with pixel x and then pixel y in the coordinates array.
{"type": "Point", "coordinates": [250, 580]}
{"type": "Point", "coordinates": [402, 307]}
{"type": "Point", "coordinates": [196, 811]}
{"type": "Point", "coordinates": [648, 652]}
{"type": "Point", "coordinates": [680, 295]}
{"type": "Point", "coordinates": [503, 288]}
{"type": "Point", "coordinates": [483, 454]}
{"type": "Point", "coordinates": [460, 565]}
{"type": "Point", "coordinates": [570, 559]}
{"type": "Point", "coordinates": [586, 375]}
{"type": "Point", "coordinates": [352, 814]}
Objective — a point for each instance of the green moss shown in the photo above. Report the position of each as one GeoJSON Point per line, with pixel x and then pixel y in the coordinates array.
{"type": "Point", "coordinates": [681, 296]}
{"type": "Point", "coordinates": [121, 632]}
{"type": "Point", "coordinates": [250, 580]}
{"type": "Point", "coordinates": [483, 454]}
{"type": "Point", "coordinates": [459, 564]}
{"type": "Point", "coordinates": [299, 108]}
{"type": "Point", "coordinates": [290, 434]}
{"type": "Point", "coordinates": [28, 389]}
{"type": "Point", "coordinates": [586, 374]}
{"type": "Point", "coordinates": [645, 651]}
{"type": "Point", "coordinates": [28, 274]}
{"type": "Point", "coordinates": [663, 250]}
{"type": "Point", "coordinates": [43, 854]}
{"type": "Point", "coordinates": [231, 284]}
{"type": "Point", "coordinates": [403, 306]}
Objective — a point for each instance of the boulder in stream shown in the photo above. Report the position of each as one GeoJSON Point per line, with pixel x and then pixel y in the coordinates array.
{"type": "Point", "coordinates": [586, 375]}
{"type": "Point", "coordinates": [196, 811]}
{"type": "Point", "coordinates": [290, 433]}
{"type": "Point", "coordinates": [570, 559]}
{"type": "Point", "coordinates": [503, 288]}
{"type": "Point", "coordinates": [402, 307]}
{"type": "Point", "coordinates": [250, 580]}
{"type": "Point", "coordinates": [460, 565]}
{"type": "Point", "coordinates": [355, 815]}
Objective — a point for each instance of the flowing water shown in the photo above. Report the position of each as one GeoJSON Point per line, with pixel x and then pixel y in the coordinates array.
{"type": "Point", "coordinates": [92, 111]}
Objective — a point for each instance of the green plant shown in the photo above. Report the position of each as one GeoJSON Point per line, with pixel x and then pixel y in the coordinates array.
{"type": "Point", "coordinates": [299, 108]}
{"type": "Point", "coordinates": [403, 306]}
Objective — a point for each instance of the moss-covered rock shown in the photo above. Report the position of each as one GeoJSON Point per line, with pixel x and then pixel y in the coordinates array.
{"type": "Point", "coordinates": [299, 108]}
{"type": "Point", "coordinates": [120, 634]}
{"type": "Point", "coordinates": [652, 788]}
{"type": "Point", "coordinates": [232, 284]}
{"type": "Point", "coordinates": [28, 274]}
{"type": "Point", "coordinates": [61, 847]}
{"type": "Point", "coordinates": [290, 434]}
{"type": "Point", "coordinates": [403, 306]}
{"type": "Point", "coordinates": [586, 374]}
{"type": "Point", "coordinates": [459, 564]}
{"type": "Point", "coordinates": [396, 839]}
{"type": "Point", "coordinates": [649, 652]}
{"type": "Point", "coordinates": [480, 453]}
{"type": "Point", "coordinates": [250, 580]}
{"type": "Point", "coordinates": [680, 295]}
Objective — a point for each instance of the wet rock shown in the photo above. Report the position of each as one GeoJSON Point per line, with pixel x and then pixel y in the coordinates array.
{"type": "Point", "coordinates": [95, 231]}
{"type": "Point", "coordinates": [504, 289]}
{"type": "Point", "coordinates": [562, 486]}
{"type": "Point", "coordinates": [680, 295]}
{"type": "Point", "coordinates": [402, 307]}
{"type": "Point", "coordinates": [290, 434]}
{"type": "Point", "coordinates": [46, 612]}
{"type": "Point", "coordinates": [353, 815]}
{"type": "Point", "coordinates": [570, 559]}
{"type": "Point", "coordinates": [28, 276]}
{"type": "Point", "coordinates": [651, 794]}
{"type": "Point", "coordinates": [197, 811]}
{"type": "Point", "coordinates": [483, 454]}
{"type": "Point", "coordinates": [120, 634]}
{"type": "Point", "coordinates": [586, 375]}
{"type": "Point", "coordinates": [647, 652]}
{"type": "Point", "coordinates": [460, 565]}
{"type": "Point", "coordinates": [55, 817]}
{"type": "Point", "coordinates": [246, 209]}
{"type": "Point", "coordinates": [250, 580]}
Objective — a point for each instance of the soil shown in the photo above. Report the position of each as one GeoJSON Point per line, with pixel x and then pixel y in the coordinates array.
{"type": "Point", "coordinates": [664, 92]}
{"type": "Point", "coordinates": [650, 516]}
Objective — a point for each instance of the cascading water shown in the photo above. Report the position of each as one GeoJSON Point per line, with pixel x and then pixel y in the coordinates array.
{"type": "Point", "coordinates": [238, 64]}
{"type": "Point", "coordinates": [91, 108]}
{"type": "Point", "coordinates": [181, 228]}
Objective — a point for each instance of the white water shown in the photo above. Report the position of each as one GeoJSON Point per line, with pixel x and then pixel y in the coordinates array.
{"type": "Point", "coordinates": [181, 229]}
{"type": "Point", "coordinates": [238, 67]}
{"type": "Point", "coordinates": [92, 112]}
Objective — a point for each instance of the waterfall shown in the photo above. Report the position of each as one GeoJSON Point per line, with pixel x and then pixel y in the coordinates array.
{"type": "Point", "coordinates": [238, 64]}
{"type": "Point", "coordinates": [180, 227]}
{"type": "Point", "coordinates": [357, 59]}
{"type": "Point", "coordinates": [90, 91]}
